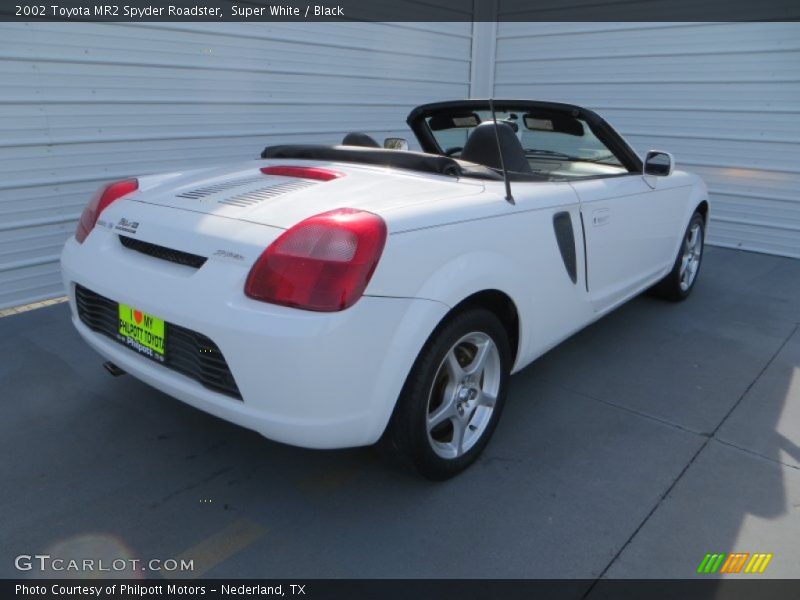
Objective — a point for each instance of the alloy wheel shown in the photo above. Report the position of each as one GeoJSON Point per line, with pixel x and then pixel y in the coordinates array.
{"type": "Point", "coordinates": [463, 395]}
{"type": "Point", "coordinates": [692, 252]}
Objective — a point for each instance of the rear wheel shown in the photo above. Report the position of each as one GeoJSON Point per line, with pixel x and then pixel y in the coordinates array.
{"type": "Point", "coordinates": [454, 395]}
{"type": "Point", "coordinates": [678, 284]}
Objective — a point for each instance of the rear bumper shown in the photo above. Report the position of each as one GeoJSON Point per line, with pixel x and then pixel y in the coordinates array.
{"type": "Point", "coordinates": [318, 380]}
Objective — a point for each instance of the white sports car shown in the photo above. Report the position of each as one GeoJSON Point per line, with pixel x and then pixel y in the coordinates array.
{"type": "Point", "coordinates": [334, 296]}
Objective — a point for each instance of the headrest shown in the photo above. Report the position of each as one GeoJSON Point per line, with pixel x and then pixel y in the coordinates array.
{"type": "Point", "coordinates": [357, 138]}
{"type": "Point", "coordinates": [482, 148]}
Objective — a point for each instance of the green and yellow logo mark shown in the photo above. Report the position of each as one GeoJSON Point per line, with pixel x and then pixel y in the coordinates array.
{"type": "Point", "coordinates": [738, 562]}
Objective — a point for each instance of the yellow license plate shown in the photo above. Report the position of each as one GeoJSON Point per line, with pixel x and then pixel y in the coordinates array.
{"type": "Point", "coordinates": [142, 332]}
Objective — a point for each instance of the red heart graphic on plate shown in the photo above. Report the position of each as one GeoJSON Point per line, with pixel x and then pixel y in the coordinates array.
{"type": "Point", "coordinates": [137, 316]}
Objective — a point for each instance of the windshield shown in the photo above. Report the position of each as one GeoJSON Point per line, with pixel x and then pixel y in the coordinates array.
{"type": "Point", "coordinates": [549, 140]}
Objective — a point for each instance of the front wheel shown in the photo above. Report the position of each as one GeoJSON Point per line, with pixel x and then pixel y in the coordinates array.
{"type": "Point", "coordinates": [454, 395]}
{"type": "Point", "coordinates": [678, 284]}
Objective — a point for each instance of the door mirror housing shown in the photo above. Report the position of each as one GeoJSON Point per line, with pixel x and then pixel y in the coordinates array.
{"type": "Point", "coordinates": [394, 143]}
{"type": "Point", "coordinates": [658, 163]}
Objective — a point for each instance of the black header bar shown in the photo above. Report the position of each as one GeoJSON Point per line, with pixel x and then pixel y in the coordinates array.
{"type": "Point", "coordinates": [399, 10]}
{"type": "Point", "coordinates": [404, 589]}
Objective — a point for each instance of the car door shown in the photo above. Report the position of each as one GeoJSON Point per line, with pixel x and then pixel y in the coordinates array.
{"type": "Point", "coordinates": [630, 223]}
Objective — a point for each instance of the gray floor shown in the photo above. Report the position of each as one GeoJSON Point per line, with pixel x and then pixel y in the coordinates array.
{"type": "Point", "coordinates": [659, 434]}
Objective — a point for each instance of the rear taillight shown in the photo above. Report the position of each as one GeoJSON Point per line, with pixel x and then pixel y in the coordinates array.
{"type": "Point", "coordinates": [323, 263]}
{"type": "Point", "coordinates": [317, 173]}
{"type": "Point", "coordinates": [100, 201]}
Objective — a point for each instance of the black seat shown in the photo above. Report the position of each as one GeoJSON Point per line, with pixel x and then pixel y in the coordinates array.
{"type": "Point", "coordinates": [482, 148]}
{"type": "Point", "coordinates": [360, 139]}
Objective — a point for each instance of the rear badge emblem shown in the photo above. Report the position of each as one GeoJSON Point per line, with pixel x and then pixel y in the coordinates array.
{"type": "Point", "coordinates": [127, 226]}
{"type": "Point", "coordinates": [228, 255]}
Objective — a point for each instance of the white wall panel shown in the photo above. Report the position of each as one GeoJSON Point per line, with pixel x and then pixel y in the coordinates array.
{"type": "Point", "coordinates": [724, 98]}
{"type": "Point", "coordinates": [82, 103]}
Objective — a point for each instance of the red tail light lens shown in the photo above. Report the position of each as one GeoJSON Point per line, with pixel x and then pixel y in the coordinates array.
{"type": "Point", "coordinates": [100, 201]}
{"type": "Point", "coordinates": [323, 263]}
{"type": "Point", "coordinates": [305, 172]}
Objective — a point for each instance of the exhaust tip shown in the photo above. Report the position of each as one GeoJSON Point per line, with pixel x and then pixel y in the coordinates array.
{"type": "Point", "coordinates": [113, 369]}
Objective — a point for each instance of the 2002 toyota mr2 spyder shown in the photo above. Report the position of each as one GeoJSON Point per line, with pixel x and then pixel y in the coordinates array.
{"type": "Point", "coordinates": [334, 296]}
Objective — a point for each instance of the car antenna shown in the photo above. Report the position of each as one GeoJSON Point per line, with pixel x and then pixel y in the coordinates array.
{"type": "Point", "coordinates": [509, 197]}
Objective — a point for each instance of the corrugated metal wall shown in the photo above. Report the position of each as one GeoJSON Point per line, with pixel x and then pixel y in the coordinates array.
{"type": "Point", "coordinates": [724, 98]}
{"type": "Point", "coordinates": [83, 103]}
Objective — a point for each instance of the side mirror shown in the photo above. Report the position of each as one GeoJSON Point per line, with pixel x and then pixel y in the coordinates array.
{"type": "Point", "coordinates": [395, 144]}
{"type": "Point", "coordinates": [658, 163]}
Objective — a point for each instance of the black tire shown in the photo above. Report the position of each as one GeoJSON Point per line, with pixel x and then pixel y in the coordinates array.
{"type": "Point", "coordinates": [672, 287]}
{"type": "Point", "coordinates": [407, 435]}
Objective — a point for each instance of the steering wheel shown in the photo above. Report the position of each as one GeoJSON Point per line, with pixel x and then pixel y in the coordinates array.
{"type": "Point", "coordinates": [453, 150]}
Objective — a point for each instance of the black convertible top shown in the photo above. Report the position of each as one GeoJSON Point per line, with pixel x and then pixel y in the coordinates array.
{"type": "Point", "coordinates": [400, 159]}
{"type": "Point", "coordinates": [432, 160]}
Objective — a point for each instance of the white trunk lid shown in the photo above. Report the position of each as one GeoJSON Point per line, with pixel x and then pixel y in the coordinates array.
{"type": "Point", "coordinates": [243, 193]}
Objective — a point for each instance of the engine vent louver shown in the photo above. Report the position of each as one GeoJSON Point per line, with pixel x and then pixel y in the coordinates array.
{"type": "Point", "coordinates": [208, 190]}
{"type": "Point", "coordinates": [253, 197]}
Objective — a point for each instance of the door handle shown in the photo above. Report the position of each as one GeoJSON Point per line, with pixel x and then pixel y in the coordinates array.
{"type": "Point", "coordinates": [601, 217]}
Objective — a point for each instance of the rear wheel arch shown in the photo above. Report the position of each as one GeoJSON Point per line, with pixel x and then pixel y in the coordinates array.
{"type": "Point", "coordinates": [414, 432]}
{"type": "Point", "coordinates": [495, 301]}
{"type": "Point", "coordinates": [501, 305]}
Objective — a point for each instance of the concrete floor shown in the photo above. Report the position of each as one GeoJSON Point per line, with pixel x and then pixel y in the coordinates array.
{"type": "Point", "coordinates": [661, 433]}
